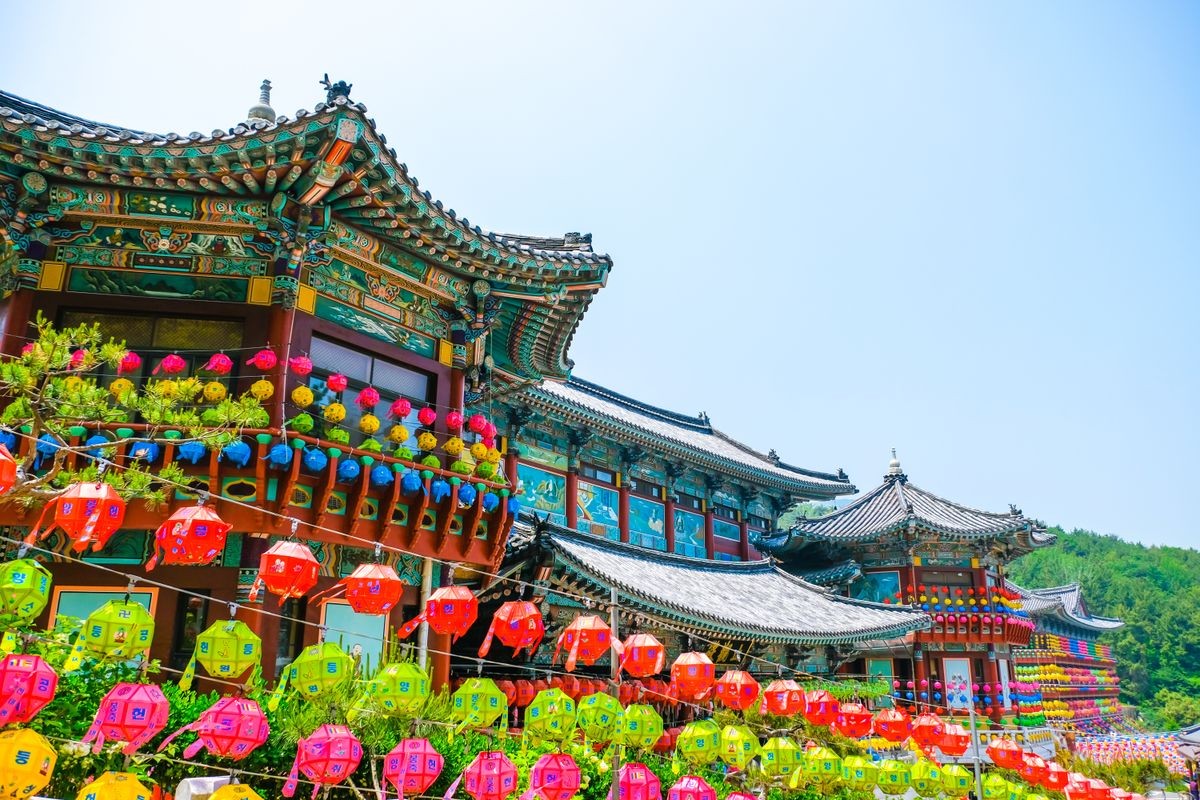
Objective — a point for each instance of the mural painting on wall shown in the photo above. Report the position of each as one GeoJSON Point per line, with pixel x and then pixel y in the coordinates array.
{"type": "Point", "coordinates": [597, 508]}
{"type": "Point", "coordinates": [647, 523]}
{"type": "Point", "coordinates": [876, 586]}
{"type": "Point", "coordinates": [375, 327]}
{"type": "Point", "coordinates": [531, 452]}
{"type": "Point", "coordinates": [543, 492]}
{"type": "Point", "coordinates": [727, 530]}
{"type": "Point", "coordinates": [689, 534]}
{"type": "Point", "coordinates": [157, 285]}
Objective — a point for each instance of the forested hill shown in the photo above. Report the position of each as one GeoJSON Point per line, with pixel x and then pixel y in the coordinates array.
{"type": "Point", "coordinates": [1156, 591]}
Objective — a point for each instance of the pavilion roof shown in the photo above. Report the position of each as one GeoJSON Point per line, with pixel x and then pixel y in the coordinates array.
{"type": "Point", "coordinates": [753, 600]}
{"type": "Point", "coordinates": [543, 285]}
{"type": "Point", "coordinates": [1064, 603]}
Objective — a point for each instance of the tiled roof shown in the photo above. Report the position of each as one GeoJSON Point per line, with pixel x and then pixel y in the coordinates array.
{"type": "Point", "coordinates": [694, 438]}
{"type": "Point", "coordinates": [1066, 604]}
{"type": "Point", "coordinates": [847, 571]}
{"type": "Point", "coordinates": [751, 599]}
{"type": "Point", "coordinates": [893, 506]}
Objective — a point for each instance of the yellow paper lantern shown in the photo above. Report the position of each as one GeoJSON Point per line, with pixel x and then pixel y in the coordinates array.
{"type": "Point", "coordinates": [167, 388]}
{"type": "Point", "coordinates": [398, 434]}
{"type": "Point", "coordinates": [859, 773]}
{"type": "Point", "coordinates": [453, 446]}
{"type": "Point", "coordinates": [894, 777]}
{"type": "Point", "coordinates": [426, 441]}
{"type": "Point", "coordinates": [699, 742]}
{"type": "Point", "coordinates": [599, 716]}
{"type": "Point", "coordinates": [214, 391]}
{"type": "Point", "coordinates": [334, 412]}
{"type": "Point", "coordinates": [640, 727]}
{"type": "Point", "coordinates": [118, 629]}
{"type": "Point", "coordinates": [120, 387]}
{"type": "Point", "coordinates": [235, 791]}
{"type": "Point", "coordinates": [926, 778]}
{"type": "Point", "coordinates": [995, 787]}
{"type": "Point", "coordinates": [302, 396]}
{"type": "Point", "coordinates": [26, 763]}
{"type": "Point", "coordinates": [822, 767]}
{"type": "Point", "coordinates": [262, 389]}
{"type": "Point", "coordinates": [551, 716]}
{"type": "Point", "coordinates": [319, 668]}
{"type": "Point", "coordinates": [399, 688]}
{"type": "Point", "coordinates": [368, 424]}
{"type": "Point", "coordinates": [115, 786]}
{"type": "Point", "coordinates": [225, 649]}
{"type": "Point", "coordinates": [24, 590]}
{"type": "Point", "coordinates": [479, 451]}
{"type": "Point", "coordinates": [956, 780]}
{"type": "Point", "coordinates": [780, 755]}
{"type": "Point", "coordinates": [478, 703]}
{"type": "Point", "coordinates": [738, 745]}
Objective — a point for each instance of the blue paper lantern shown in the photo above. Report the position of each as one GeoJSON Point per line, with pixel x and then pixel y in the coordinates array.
{"type": "Point", "coordinates": [466, 494]}
{"type": "Point", "coordinates": [514, 507]}
{"type": "Point", "coordinates": [315, 460]}
{"type": "Point", "coordinates": [381, 475]}
{"type": "Point", "coordinates": [490, 502]}
{"type": "Point", "coordinates": [237, 453]}
{"type": "Point", "coordinates": [9, 440]}
{"type": "Point", "coordinates": [410, 482]}
{"type": "Point", "coordinates": [191, 451]}
{"type": "Point", "coordinates": [348, 470]}
{"type": "Point", "coordinates": [937, 696]}
{"type": "Point", "coordinates": [144, 451]}
{"type": "Point", "coordinates": [47, 446]}
{"type": "Point", "coordinates": [95, 443]}
{"type": "Point", "coordinates": [908, 695]}
{"type": "Point", "coordinates": [439, 490]}
{"type": "Point", "coordinates": [280, 455]}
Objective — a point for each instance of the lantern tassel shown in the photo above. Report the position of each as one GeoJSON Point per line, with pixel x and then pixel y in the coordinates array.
{"type": "Point", "coordinates": [18, 692]}
{"type": "Point", "coordinates": [412, 625]}
{"type": "Point", "coordinates": [289, 788]}
{"type": "Point", "coordinates": [255, 588]}
{"type": "Point", "coordinates": [453, 788]}
{"type": "Point", "coordinates": [36, 533]}
{"type": "Point", "coordinates": [75, 659]}
{"type": "Point", "coordinates": [8, 643]}
{"type": "Point", "coordinates": [277, 695]}
{"type": "Point", "coordinates": [487, 640]}
{"type": "Point", "coordinates": [189, 674]}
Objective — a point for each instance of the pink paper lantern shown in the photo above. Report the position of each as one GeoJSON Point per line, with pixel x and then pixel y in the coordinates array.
{"type": "Point", "coordinates": [171, 365]}
{"type": "Point", "coordinates": [555, 776]}
{"type": "Point", "coordinates": [412, 767]}
{"type": "Point", "coordinates": [690, 787]}
{"type": "Point", "coordinates": [130, 362]}
{"type": "Point", "coordinates": [230, 728]}
{"type": "Point", "coordinates": [427, 416]}
{"type": "Point", "coordinates": [491, 776]}
{"type": "Point", "coordinates": [368, 398]}
{"type": "Point", "coordinates": [27, 684]}
{"type": "Point", "coordinates": [218, 364]}
{"type": "Point", "coordinates": [327, 757]}
{"type": "Point", "coordinates": [337, 382]}
{"type": "Point", "coordinates": [454, 420]}
{"type": "Point", "coordinates": [301, 366]}
{"type": "Point", "coordinates": [131, 712]}
{"type": "Point", "coordinates": [401, 408]}
{"type": "Point", "coordinates": [636, 781]}
{"type": "Point", "coordinates": [264, 359]}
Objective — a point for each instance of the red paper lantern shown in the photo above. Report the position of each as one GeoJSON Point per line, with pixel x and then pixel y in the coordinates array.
{"type": "Point", "coordinates": [822, 708]}
{"type": "Point", "coordinates": [517, 624]}
{"type": "Point", "coordinates": [1098, 790]}
{"type": "Point", "coordinates": [218, 364]}
{"type": "Point", "coordinates": [689, 787]}
{"type": "Point", "coordinates": [1033, 768]}
{"type": "Point", "coordinates": [555, 776]}
{"type": "Point", "coordinates": [427, 416]}
{"type": "Point", "coordinates": [89, 513]}
{"type": "Point", "coordinates": [635, 781]}
{"type": "Point", "coordinates": [27, 684]}
{"type": "Point", "coordinates": [643, 655]}
{"type": "Point", "coordinates": [412, 767]}
{"type": "Point", "coordinates": [192, 535]}
{"type": "Point", "coordinates": [692, 675]}
{"type": "Point", "coordinates": [1005, 753]}
{"type": "Point", "coordinates": [526, 691]}
{"type": "Point", "coordinates": [928, 730]}
{"type": "Point", "coordinates": [737, 689]}
{"type": "Point", "coordinates": [893, 724]}
{"type": "Point", "coordinates": [1077, 790]}
{"type": "Point", "coordinates": [231, 728]}
{"type": "Point", "coordinates": [327, 757]}
{"type": "Point", "coordinates": [629, 692]}
{"type": "Point", "coordinates": [853, 720]}
{"type": "Point", "coordinates": [586, 639]}
{"type": "Point", "coordinates": [667, 741]}
{"type": "Point", "coordinates": [491, 776]}
{"type": "Point", "coordinates": [373, 589]}
{"type": "Point", "coordinates": [450, 610]}
{"type": "Point", "coordinates": [1056, 778]}
{"type": "Point", "coordinates": [131, 712]}
{"type": "Point", "coordinates": [264, 360]}
{"type": "Point", "coordinates": [510, 691]}
{"type": "Point", "coordinates": [956, 740]}
{"type": "Point", "coordinates": [288, 570]}
{"type": "Point", "coordinates": [784, 697]}
{"type": "Point", "coordinates": [8, 470]}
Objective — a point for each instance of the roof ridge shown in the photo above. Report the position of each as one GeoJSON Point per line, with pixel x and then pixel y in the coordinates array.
{"type": "Point", "coordinates": [972, 509]}
{"type": "Point", "coordinates": [697, 422]}
{"type": "Point", "coordinates": [46, 113]}
{"type": "Point", "coordinates": [650, 554]}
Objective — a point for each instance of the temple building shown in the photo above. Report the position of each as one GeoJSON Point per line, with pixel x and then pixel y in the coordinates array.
{"type": "Point", "coordinates": [902, 545]}
{"type": "Point", "coordinates": [1077, 673]}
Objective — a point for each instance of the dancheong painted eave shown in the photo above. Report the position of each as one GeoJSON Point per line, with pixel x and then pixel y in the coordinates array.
{"type": "Point", "coordinates": [675, 435]}
{"type": "Point", "coordinates": [331, 157]}
{"type": "Point", "coordinates": [1064, 603]}
{"type": "Point", "coordinates": [748, 599]}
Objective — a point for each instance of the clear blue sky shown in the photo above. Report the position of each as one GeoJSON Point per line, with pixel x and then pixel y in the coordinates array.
{"type": "Point", "coordinates": [970, 231]}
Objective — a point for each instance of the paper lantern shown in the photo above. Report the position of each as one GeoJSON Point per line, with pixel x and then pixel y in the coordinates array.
{"type": "Point", "coordinates": [1077, 790]}
{"type": "Point", "coordinates": [235, 791]}
{"type": "Point", "coordinates": [555, 776]}
{"type": "Point", "coordinates": [928, 730]}
{"type": "Point", "coordinates": [1033, 768]}
{"type": "Point", "coordinates": [737, 689]}
{"type": "Point", "coordinates": [586, 639]}
{"type": "Point", "coordinates": [822, 766]}
{"type": "Point", "coordinates": [692, 674]}
{"type": "Point", "coordinates": [319, 668]}
{"type": "Point", "coordinates": [526, 691]}
{"type": "Point", "coordinates": [115, 786]}
{"type": "Point", "coordinates": [24, 591]}
{"type": "Point", "coordinates": [130, 362]}
{"type": "Point", "coordinates": [1098, 790]}
{"type": "Point", "coordinates": [118, 629]}
{"type": "Point", "coordinates": [8, 470]}
{"type": "Point", "coordinates": [598, 716]}
{"type": "Point", "coordinates": [264, 360]}
{"type": "Point", "coordinates": [956, 780]}
{"type": "Point", "coordinates": [450, 610]}
{"type": "Point", "coordinates": [859, 773]}
{"type": "Point", "coordinates": [412, 766]}
{"type": "Point", "coordinates": [517, 624]}
{"type": "Point", "coordinates": [192, 535]}
{"type": "Point", "coordinates": [226, 649]}
{"type": "Point", "coordinates": [853, 720]}
{"type": "Point", "coordinates": [640, 727]}
{"type": "Point", "coordinates": [893, 777]}
{"type": "Point", "coordinates": [26, 763]}
{"type": "Point", "coordinates": [1056, 778]}
{"type": "Point", "coordinates": [327, 757]}
{"type": "Point", "coordinates": [955, 740]}
{"type": "Point", "coordinates": [373, 589]}
{"type": "Point", "coordinates": [690, 787]}
{"type": "Point", "coordinates": [995, 787]}
{"type": "Point", "coordinates": [230, 728]}
{"type": "Point", "coordinates": [88, 513]}
{"type": "Point", "coordinates": [893, 724]}
{"type": "Point", "coordinates": [636, 781]}
{"type": "Point", "coordinates": [491, 776]}
{"type": "Point", "coordinates": [133, 713]}
{"type": "Point", "coordinates": [399, 688]}
{"type": "Point", "coordinates": [784, 698]}
{"type": "Point", "coordinates": [738, 746]}
{"type": "Point", "coordinates": [699, 742]}
{"type": "Point", "coordinates": [27, 684]}
{"type": "Point", "coordinates": [478, 703]}
{"type": "Point", "coordinates": [171, 364]}
{"type": "Point", "coordinates": [926, 778]}
{"type": "Point", "coordinates": [820, 707]}
{"type": "Point", "coordinates": [779, 756]}
{"type": "Point", "coordinates": [1005, 753]}
{"type": "Point", "coordinates": [287, 570]}
{"type": "Point", "coordinates": [643, 655]}
{"type": "Point", "coordinates": [551, 716]}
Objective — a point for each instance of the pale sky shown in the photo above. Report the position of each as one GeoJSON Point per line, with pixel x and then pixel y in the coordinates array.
{"type": "Point", "coordinates": [965, 230]}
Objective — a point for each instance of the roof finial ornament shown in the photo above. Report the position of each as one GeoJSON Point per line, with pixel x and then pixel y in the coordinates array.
{"type": "Point", "coordinates": [262, 110]}
{"type": "Point", "coordinates": [336, 89]}
{"type": "Point", "coordinates": [894, 466]}
{"type": "Point", "coordinates": [773, 457]}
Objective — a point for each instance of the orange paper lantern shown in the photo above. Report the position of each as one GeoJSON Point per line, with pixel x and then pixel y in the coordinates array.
{"type": "Point", "coordinates": [586, 639]}
{"type": "Point", "coordinates": [89, 513]}
{"type": "Point", "coordinates": [1005, 753]}
{"type": "Point", "coordinates": [288, 569]}
{"type": "Point", "coordinates": [893, 724]}
{"type": "Point", "coordinates": [737, 689]}
{"type": "Point", "coordinates": [928, 730]}
{"type": "Point", "coordinates": [517, 624]}
{"type": "Point", "coordinates": [373, 589]}
{"type": "Point", "coordinates": [644, 655]}
{"type": "Point", "coordinates": [450, 610]}
{"type": "Point", "coordinates": [692, 675]}
{"type": "Point", "coordinates": [822, 707]}
{"type": "Point", "coordinates": [192, 535]}
{"type": "Point", "coordinates": [784, 698]}
{"type": "Point", "coordinates": [853, 720]}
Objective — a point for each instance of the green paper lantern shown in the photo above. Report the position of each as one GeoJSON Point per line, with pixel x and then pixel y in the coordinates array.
{"type": "Point", "coordinates": [859, 773]}
{"type": "Point", "coordinates": [780, 756]}
{"type": "Point", "coordinates": [117, 629]}
{"type": "Point", "coordinates": [478, 703]}
{"type": "Point", "coordinates": [640, 727]}
{"type": "Point", "coordinates": [550, 716]}
{"type": "Point", "coordinates": [956, 780]}
{"type": "Point", "coordinates": [319, 668]}
{"type": "Point", "coordinates": [399, 688]}
{"type": "Point", "coordinates": [1017, 791]}
{"type": "Point", "coordinates": [822, 767]}
{"type": "Point", "coordinates": [995, 787]}
{"type": "Point", "coordinates": [738, 745]}
{"type": "Point", "coordinates": [894, 777]}
{"type": "Point", "coordinates": [226, 650]}
{"type": "Point", "coordinates": [699, 742]}
{"type": "Point", "coordinates": [24, 591]}
{"type": "Point", "coordinates": [926, 778]}
{"type": "Point", "coordinates": [598, 716]}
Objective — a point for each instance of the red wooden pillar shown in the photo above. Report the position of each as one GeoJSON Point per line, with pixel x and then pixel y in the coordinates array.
{"type": "Point", "coordinates": [623, 507]}
{"type": "Point", "coordinates": [710, 544]}
{"type": "Point", "coordinates": [991, 677]}
{"type": "Point", "coordinates": [920, 673]}
{"type": "Point", "coordinates": [669, 520]}
{"type": "Point", "coordinates": [572, 498]}
{"type": "Point", "coordinates": [744, 527]}
{"type": "Point", "coordinates": [457, 389]}
{"type": "Point", "coordinates": [15, 313]}
{"type": "Point", "coordinates": [279, 338]}
{"type": "Point", "coordinates": [510, 464]}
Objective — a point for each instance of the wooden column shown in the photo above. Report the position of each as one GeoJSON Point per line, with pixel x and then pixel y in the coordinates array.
{"type": "Point", "coordinates": [15, 313]}
{"type": "Point", "coordinates": [744, 527]}
{"type": "Point", "coordinates": [572, 497]}
{"type": "Point", "coordinates": [710, 545]}
{"type": "Point", "coordinates": [458, 389]}
{"type": "Point", "coordinates": [921, 673]}
{"type": "Point", "coordinates": [279, 338]}
{"type": "Point", "coordinates": [991, 677]}
{"type": "Point", "coordinates": [510, 464]}
{"type": "Point", "coordinates": [623, 507]}
{"type": "Point", "coordinates": [669, 519]}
